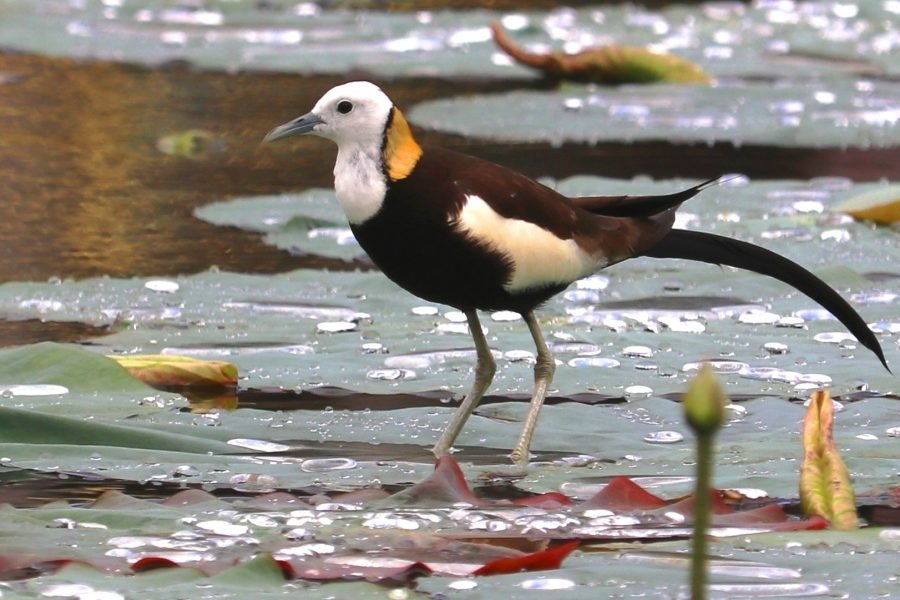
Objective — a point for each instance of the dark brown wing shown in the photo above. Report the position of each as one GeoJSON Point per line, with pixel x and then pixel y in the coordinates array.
{"type": "Point", "coordinates": [616, 236]}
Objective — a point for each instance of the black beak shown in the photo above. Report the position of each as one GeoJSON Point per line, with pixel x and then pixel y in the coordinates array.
{"type": "Point", "coordinates": [298, 126]}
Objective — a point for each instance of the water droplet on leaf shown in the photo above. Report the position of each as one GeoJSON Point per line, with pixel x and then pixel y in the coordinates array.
{"type": "Point", "coordinates": [663, 437]}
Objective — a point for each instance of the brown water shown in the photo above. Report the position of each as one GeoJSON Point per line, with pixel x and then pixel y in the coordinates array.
{"type": "Point", "coordinates": [86, 192]}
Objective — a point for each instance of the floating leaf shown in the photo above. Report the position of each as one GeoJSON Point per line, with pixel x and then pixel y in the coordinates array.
{"type": "Point", "coordinates": [770, 516]}
{"type": "Point", "coordinates": [621, 493]}
{"type": "Point", "coordinates": [152, 563]}
{"type": "Point", "coordinates": [825, 487]}
{"type": "Point", "coordinates": [689, 506]}
{"type": "Point", "coordinates": [36, 429]}
{"type": "Point", "coordinates": [445, 486]}
{"type": "Point", "coordinates": [545, 501]}
{"type": "Point", "coordinates": [606, 64]}
{"type": "Point", "coordinates": [881, 205]}
{"type": "Point", "coordinates": [170, 371]}
{"type": "Point", "coordinates": [324, 570]}
{"type": "Point", "coordinates": [259, 572]}
{"type": "Point", "coordinates": [64, 365]}
{"type": "Point", "coordinates": [536, 561]}
{"type": "Point", "coordinates": [193, 144]}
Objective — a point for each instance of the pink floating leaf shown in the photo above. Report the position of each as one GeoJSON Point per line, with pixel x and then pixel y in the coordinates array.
{"type": "Point", "coordinates": [152, 563]}
{"type": "Point", "coordinates": [116, 500]}
{"type": "Point", "coordinates": [546, 501]}
{"type": "Point", "coordinates": [621, 494]}
{"type": "Point", "coordinates": [764, 515]}
{"type": "Point", "coordinates": [542, 560]}
{"type": "Point", "coordinates": [189, 497]}
{"type": "Point", "coordinates": [814, 522]}
{"type": "Point", "coordinates": [445, 486]}
{"type": "Point", "coordinates": [686, 506]}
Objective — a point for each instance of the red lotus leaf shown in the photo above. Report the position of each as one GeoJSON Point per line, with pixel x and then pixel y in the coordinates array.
{"type": "Point", "coordinates": [621, 494]}
{"type": "Point", "coordinates": [546, 501]}
{"type": "Point", "coordinates": [686, 506]}
{"type": "Point", "coordinates": [814, 522]}
{"type": "Point", "coordinates": [764, 515]}
{"type": "Point", "coordinates": [152, 563]}
{"type": "Point", "coordinates": [536, 561]}
{"type": "Point", "coordinates": [445, 486]}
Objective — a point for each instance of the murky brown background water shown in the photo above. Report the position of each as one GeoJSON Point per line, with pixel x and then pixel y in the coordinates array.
{"type": "Point", "coordinates": [85, 192]}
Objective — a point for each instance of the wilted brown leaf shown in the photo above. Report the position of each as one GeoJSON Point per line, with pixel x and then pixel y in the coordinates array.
{"type": "Point", "coordinates": [606, 64]}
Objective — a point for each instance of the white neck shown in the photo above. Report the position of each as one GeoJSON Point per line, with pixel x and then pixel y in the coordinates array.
{"type": "Point", "coordinates": [359, 181]}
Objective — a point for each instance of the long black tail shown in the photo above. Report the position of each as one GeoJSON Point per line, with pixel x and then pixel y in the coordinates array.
{"type": "Point", "coordinates": [719, 250]}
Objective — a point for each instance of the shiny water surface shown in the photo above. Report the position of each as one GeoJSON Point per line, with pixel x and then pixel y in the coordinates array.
{"type": "Point", "coordinates": [87, 190]}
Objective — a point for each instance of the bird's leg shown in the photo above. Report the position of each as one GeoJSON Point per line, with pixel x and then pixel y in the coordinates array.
{"type": "Point", "coordinates": [543, 375]}
{"type": "Point", "coordinates": [484, 374]}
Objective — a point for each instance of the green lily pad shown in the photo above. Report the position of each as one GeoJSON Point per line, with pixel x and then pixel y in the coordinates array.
{"type": "Point", "coordinates": [310, 223]}
{"type": "Point", "coordinates": [72, 368]}
{"type": "Point", "coordinates": [799, 114]}
{"type": "Point", "coordinates": [727, 40]}
{"type": "Point", "coordinates": [33, 427]}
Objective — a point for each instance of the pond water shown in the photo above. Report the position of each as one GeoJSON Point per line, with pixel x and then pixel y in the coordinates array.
{"type": "Point", "coordinates": [139, 213]}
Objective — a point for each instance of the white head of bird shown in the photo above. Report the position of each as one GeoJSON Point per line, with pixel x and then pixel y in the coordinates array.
{"type": "Point", "coordinates": [374, 144]}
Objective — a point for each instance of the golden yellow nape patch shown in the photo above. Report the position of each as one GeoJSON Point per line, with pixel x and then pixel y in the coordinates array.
{"type": "Point", "coordinates": [401, 152]}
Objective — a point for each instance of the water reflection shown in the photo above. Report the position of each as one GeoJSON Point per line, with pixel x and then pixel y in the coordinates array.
{"type": "Point", "coordinates": [88, 193]}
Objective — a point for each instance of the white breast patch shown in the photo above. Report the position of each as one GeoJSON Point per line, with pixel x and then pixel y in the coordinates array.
{"type": "Point", "coordinates": [539, 258]}
{"type": "Point", "coordinates": [359, 182]}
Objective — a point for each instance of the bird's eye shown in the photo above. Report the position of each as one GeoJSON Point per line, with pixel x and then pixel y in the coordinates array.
{"type": "Point", "coordinates": [344, 106]}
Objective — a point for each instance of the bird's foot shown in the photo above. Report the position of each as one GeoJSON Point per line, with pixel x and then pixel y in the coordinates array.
{"type": "Point", "coordinates": [520, 456]}
{"type": "Point", "coordinates": [441, 449]}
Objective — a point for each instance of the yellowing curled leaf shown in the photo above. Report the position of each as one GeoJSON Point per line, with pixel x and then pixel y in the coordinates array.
{"type": "Point", "coordinates": [881, 205]}
{"type": "Point", "coordinates": [193, 143]}
{"type": "Point", "coordinates": [606, 64]}
{"type": "Point", "coordinates": [165, 371]}
{"type": "Point", "coordinates": [825, 487]}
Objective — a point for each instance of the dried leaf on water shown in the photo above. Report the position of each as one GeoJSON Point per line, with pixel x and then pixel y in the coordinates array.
{"type": "Point", "coordinates": [606, 64]}
{"type": "Point", "coordinates": [170, 371]}
{"type": "Point", "coordinates": [825, 488]}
